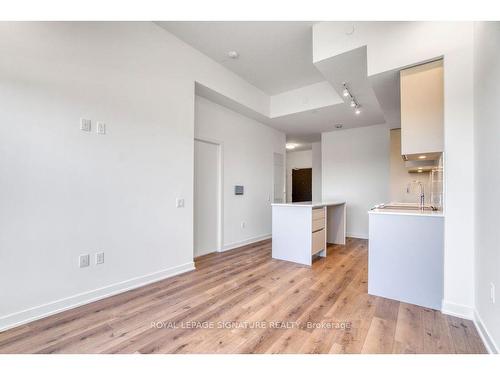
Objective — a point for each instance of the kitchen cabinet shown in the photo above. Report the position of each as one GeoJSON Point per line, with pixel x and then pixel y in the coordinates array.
{"type": "Point", "coordinates": [406, 255]}
{"type": "Point", "coordinates": [422, 111]}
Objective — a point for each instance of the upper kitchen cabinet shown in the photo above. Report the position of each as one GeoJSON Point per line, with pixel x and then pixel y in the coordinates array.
{"type": "Point", "coordinates": [422, 111]}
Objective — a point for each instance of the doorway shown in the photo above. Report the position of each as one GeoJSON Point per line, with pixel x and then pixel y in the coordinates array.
{"type": "Point", "coordinates": [302, 185]}
{"type": "Point", "coordinates": [207, 197]}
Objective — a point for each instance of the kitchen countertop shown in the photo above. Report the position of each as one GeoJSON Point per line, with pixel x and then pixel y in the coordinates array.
{"type": "Point", "coordinates": [391, 211]}
{"type": "Point", "coordinates": [309, 204]}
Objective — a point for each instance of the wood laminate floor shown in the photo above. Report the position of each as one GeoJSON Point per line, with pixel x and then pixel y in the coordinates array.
{"type": "Point", "coordinates": [243, 301]}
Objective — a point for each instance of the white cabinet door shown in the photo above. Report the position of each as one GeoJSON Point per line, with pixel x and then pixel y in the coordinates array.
{"type": "Point", "coordinates": [422, 109]}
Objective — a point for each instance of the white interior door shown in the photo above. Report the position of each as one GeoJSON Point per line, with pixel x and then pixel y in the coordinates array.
{"type": "Point", "coordinates": [279, 178]}
{"type": "Point", "coordinates": [206, 197]}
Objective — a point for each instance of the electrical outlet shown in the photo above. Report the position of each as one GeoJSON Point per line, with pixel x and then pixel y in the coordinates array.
{"type": "Point", "coordinates": [84, 260]}
{"type": "Point", "coordinates": [85, 124]}
{"type": "Point", "coordinates": [101, 128]}
{"type": "Point", "coordinates": [492, 293]}
{"type": "Point", "coordinates": [99, 258]}
{"type": "Point", "coordinates": [179, 202]}
{"type": "Point", "coordinates": [243, 225]}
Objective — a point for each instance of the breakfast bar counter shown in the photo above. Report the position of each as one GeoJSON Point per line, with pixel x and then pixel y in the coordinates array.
{"type": "Point", "coordinates": [302, 230]}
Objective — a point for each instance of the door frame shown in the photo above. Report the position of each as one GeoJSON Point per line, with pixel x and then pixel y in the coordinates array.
{"type": "Point", "coordinates": [283, 188]}
{"type": "Point", "coordinates": [220, 190]}
{"type": "Point", "coordinates": [300, 169]}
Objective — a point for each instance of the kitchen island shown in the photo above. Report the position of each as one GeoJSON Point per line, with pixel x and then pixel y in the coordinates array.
{"type": "Point", "coordinates": [302, 230]}
{"type": "Point", "coordinates": [405, 255]}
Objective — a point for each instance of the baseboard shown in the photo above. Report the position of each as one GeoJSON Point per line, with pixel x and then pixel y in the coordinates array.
{"type": "Point", "coordinates": [51, 308]}
{"type": "Point", "coordinates": [357, 235]}
{"type": "Point", "coordinates": [455, 309]}
{"type": "Point", "coordinates": [247, 241]}
{"type": "Point", "coordinates": [467, 312]}
{"type": "Point", "coordinates": [488, 341]}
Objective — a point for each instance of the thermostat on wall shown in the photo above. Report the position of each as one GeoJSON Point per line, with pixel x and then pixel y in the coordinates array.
{"type": "Point", "coordinates": [238, 190]}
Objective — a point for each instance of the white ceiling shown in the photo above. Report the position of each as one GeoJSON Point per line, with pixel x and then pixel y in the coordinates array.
{"type": "Point", "coordinates": [350, 67]}
{"type": "Point", "coordinates": [274, 56]}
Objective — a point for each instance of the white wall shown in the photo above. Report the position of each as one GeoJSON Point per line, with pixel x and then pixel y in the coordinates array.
{"type": "Point", "coordinates": [296, 160]}
{"type": "Point", "coordinates": [316, 171]}
{"type": "Point", "coordinates": [248, 148]}
{"type": "Point", "coordinates": [65, 192]}
{"type": "Point", "coordinates": [487, 178]}
{"type": "Point", "coordinates": [356, 169]}
{"type": "Point", "coordinates": [417, 42]}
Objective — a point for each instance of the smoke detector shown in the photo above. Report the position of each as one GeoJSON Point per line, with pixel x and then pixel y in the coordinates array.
{"type": "Point", "coordinates": [233, 54]}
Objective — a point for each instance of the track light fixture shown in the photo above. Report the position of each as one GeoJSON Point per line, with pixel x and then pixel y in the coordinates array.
{"type": "Point", "coordinates": [353, 103]}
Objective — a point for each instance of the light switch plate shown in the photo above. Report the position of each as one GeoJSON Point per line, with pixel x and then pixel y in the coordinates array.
{"type": "Point", "coordinates": [101, 128]}
{"type": "Point", "coordinates": [179, 202]}
{"type": "Point", "coordinates": [85, 124]}
{"type": "Point", "coordinates": [99, 258]}
{"type": "Point", "coordinates": [84, 260]}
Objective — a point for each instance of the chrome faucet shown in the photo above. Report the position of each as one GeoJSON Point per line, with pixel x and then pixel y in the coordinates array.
{"type": "Point", "coordinates": [422, 195]}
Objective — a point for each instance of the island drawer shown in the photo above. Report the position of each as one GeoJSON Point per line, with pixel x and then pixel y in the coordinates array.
{"type": "Point", "coordinates": [318, 241]}
{"type": "Point", "coordinates": [318, 224]}
{"type": "Point", "coordinates": [318, 213]}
